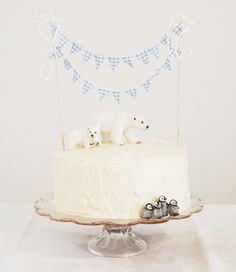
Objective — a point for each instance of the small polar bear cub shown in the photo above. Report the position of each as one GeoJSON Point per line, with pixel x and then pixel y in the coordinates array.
{"type": "Point", "coordinates": [85, 137]}
{"type": "Point", "coordinates": [119, 126]}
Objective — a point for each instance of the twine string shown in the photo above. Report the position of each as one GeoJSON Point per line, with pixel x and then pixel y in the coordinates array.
{"type": "Point", "coordinates": [51, 19]}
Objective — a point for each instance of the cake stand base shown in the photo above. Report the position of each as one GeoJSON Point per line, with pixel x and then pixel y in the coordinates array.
{"type": "Point", "coordinates": [117, 242]}
{"type": "Point", "coordinates": [117, 238]}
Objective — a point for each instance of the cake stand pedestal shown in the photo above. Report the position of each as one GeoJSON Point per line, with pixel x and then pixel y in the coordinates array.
{"type": "Point", "coordinates": [117, 242]}
{"type": "Point", "coordinates": [117, 238]}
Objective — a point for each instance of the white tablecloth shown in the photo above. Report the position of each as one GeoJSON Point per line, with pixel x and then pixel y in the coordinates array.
{"type": "Point", "coordinates": [31, 243]}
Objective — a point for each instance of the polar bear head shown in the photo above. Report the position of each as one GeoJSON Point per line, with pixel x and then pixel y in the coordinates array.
{"type": "Point", "coordinates": [94, 135]}
{"type": "Point", "coordinates": [137, 121]}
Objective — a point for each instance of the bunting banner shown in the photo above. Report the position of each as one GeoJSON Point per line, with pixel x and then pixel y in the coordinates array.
{"type": "Point", "coordinates": [88, 85]}
{"type": "Point", "coordinates": [65, 48]}
{"type": "Point", "coordinates": [175, 30]}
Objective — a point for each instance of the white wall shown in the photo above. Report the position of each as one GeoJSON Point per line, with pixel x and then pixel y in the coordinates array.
{"type": "Point", "coordinates": [29, 117]}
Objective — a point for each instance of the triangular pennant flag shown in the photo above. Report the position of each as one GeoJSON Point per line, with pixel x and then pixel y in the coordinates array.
{"type": "Point", "coordinates": [63, 40]}
{"type": "Point", "coordinates": [87, 55]}
{"type": "Point", "coordinates": [87, 86]}
{"type": "Point", "coordinates": [53, 28]}
{"type": "Point", "coordinates": [132, 92]}
{"type": "Point", "coordinates": [99, 59]}
{"type": "Point", "coordinates": [177, 29]}
{"type": "Point", "coordinates": [116, 96]}
{"type": "Point", "coordinates": [178, 52]}
{"type": "Point", "coordinates": [114, 61]}
{"type": "Point", "coordinates": [146, 84]}
{"type": "Point", "coordinates": [58, 52]}
{"type": "Point", "coordinates": [171, 49]}
{"type": "Point", "coordinates": [174, 51]}
{"type": "Point", "coordinates": [75, 48]}
{"type": "Point", "coordinates": [167, 64]}
{"type": "Point", "coordinates": [67, 64]}
{"type": "Point", "coordinates": [154, 51]}
{"type": "Point", "coordinates": [143, 56]}
{"type": "Point", "coordinates": [128, 60]}
{"type": "Point", "coordinates": [76, 76]}
{"type": "Point", "coordinates": [164, 40]}
{"type": "Point", "coordinates": [102, 93]}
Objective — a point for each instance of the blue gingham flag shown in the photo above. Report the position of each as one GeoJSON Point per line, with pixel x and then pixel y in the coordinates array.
{"type": "Point", "coordinates": [128, 60]}
{"type": "Point", "coordinates": [87, 55]}
{"type": "Point", "coordinates": [59, 52]}
{"type": "Point", "coordinates": [114, 61]}
{"type": "Point", "coordinates": [63, 40]}
{"type": "Point", "coordinates": [53, 28]}
{"type": "Point", "coordinates": [99, 59]}
{"type": "Point", "coordinates": [178, 52]}
{"type": "Point", "coordinates": [67, 64]}
{"type": "Point", "coordinates": [132, 92]}
{"type": "Point", "coordinates": [75, 48]}
{"type": "Point", "coordinates": [116, 96]}
{"type": "Point", "coordinates": [167, 64]}
{"type": "Point", "coordinates": [143, 56]}
{"type": "Point", "coordinates": [171, 48]}
{"type": "Point", "coordinates": [177, 29]}
{"type": "Point", "coordinates": [76, 75]}
{"type": "Point", "coordinates": [146, 84]}
{"type": "Point", "coordinates": [164, 40]}
{"type": "Point", "coordinates": [154, 51]}
{"type": "Point", "coordinates": [102, 93]}
{"type": "Point", "coordinates": [87, 86]}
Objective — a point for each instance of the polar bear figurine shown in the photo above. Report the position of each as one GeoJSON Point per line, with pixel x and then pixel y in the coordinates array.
{"type": "Point", "coordinates": [118, 126]}
{"type": "Point", "coordinates": [87, 138]}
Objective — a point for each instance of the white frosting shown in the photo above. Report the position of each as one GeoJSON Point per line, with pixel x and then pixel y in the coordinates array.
{"type": "Point", "coordinates": [117, 181]}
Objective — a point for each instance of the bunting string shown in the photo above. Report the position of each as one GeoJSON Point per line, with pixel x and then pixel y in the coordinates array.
{"type": "Point", "coordinates": [174, 31]}
{"type": "Point", "coordinates": [88, 85]}
{"type": "Point", "coordinates": [50, 18]}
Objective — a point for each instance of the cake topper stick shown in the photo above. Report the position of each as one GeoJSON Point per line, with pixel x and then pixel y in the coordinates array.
{"type": "Point", "coordinates": [179, 55]}
{"type": "Point", "coordinates": [178, 96]}
{"type": "Point", "coordinates": [59, 92]}
{"type": "Point", "coordinates": [50, 18]}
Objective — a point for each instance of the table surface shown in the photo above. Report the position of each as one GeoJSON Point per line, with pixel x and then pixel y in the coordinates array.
{"type": "Point", "coordinates": [204, 242]}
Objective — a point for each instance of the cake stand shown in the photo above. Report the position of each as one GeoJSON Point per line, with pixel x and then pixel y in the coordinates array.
{"type": "Point", "coordinates": [117, 238]}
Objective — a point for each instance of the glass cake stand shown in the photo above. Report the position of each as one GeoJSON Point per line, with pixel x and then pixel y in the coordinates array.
{"type": "Point", "coordinates": [117, 238]}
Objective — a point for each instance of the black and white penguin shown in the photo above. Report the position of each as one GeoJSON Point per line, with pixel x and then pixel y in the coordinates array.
{"type": "Point", "coordinates": [147, 211]}
{"type": "Point", "coordinates": [164, 205]}
{"type": "Point", "coordinates": [173, 208]}
{"type": "Point", "coordinates": [157, 210]}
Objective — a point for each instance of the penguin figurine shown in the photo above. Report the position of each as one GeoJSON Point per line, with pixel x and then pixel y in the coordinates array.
{"type": "Point", "coordinates": [173, 208]}
{"type": "Point", "coordinates": [146, 212]}
{"type": "Point", "coordinates": [157, 211]}
{"type": "Point", "coordinates": [164, 205]}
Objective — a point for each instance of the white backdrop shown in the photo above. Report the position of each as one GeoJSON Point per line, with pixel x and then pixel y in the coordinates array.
{"type": "Point", "coordinates": [29, 116]}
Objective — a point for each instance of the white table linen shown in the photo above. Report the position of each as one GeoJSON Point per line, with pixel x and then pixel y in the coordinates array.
{"type": "Point", "coordinates": [31, 243]}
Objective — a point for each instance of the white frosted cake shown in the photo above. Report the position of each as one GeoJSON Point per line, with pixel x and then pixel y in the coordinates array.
{"type": "Point", "coordinates": [115, 182]}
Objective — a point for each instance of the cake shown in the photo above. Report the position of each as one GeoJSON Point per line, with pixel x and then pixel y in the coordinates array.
{"type": "Point", "coordinates": [115, 182]}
